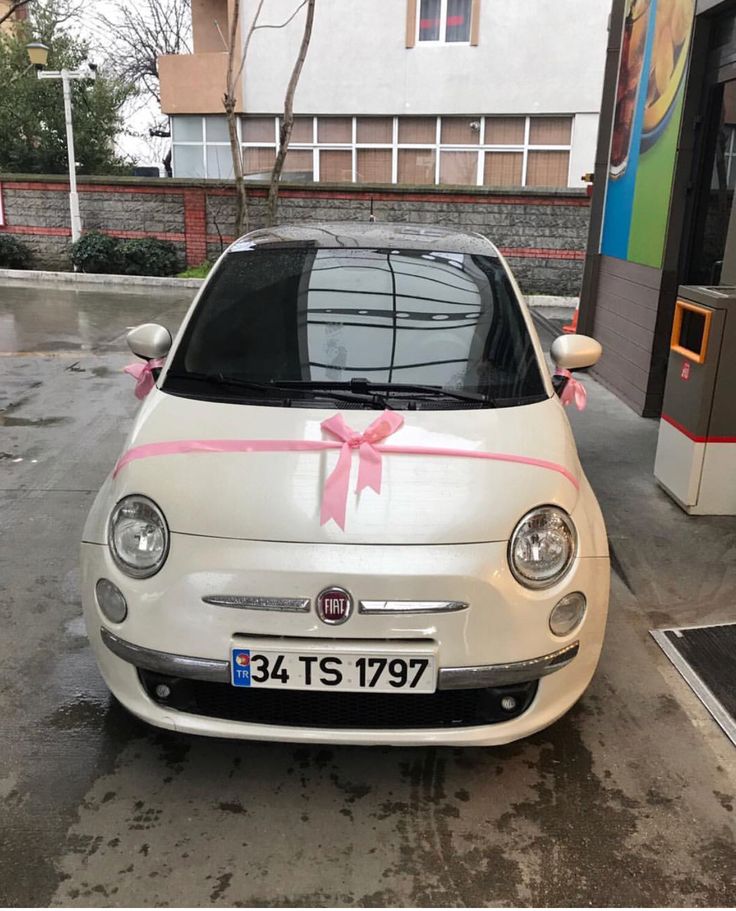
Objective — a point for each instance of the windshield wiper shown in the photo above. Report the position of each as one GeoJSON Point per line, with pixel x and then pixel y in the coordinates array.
{"type": "Point", "coordinates": [368, 387]}
{"type": "Point", "coordinates": [219, 379]}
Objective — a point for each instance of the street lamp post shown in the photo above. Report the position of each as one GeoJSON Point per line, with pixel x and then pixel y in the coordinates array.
{"type": "Point", "coordinates": [38, 55]}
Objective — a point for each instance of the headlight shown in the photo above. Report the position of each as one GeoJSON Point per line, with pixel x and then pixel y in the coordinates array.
{"type": "Point", "coordinates": [542, 547]}
{"type": "Point", "coordinates": [138, 536]}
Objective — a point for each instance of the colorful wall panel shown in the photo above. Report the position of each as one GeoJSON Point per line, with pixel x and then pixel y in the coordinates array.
{"type": "Point", "coordinates": [648, 113]}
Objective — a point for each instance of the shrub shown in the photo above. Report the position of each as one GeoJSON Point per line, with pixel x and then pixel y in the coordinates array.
{"type": "Point", "coordinates": [149, 256]}
{"type": "Point", "coordinates": [200, 271]}
{"type": "Point", "coordinates": [14, 254]}
{"type": "Point", "coordinates": [96, 252]}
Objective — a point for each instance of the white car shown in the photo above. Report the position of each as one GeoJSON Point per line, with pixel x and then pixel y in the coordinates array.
{"type": "Point", "coordinates": [350, 508]}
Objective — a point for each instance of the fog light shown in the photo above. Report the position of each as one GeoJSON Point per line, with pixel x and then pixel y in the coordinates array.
{"type": "Point", "coordinates": [567, 614]}
{"type": "Point", "coordinates": [162, 691]}
{"type": "Point", "coordinates": [508, 703]}
{"type": "Point", "coordinates": [111, 600]}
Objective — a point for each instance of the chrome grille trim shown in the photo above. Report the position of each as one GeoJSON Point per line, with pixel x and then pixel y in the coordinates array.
{"type": "Point", "coordinates": [256, 602]}
{"type": "Point", "coordinates": [410, 607]}
{"type": "Point", "coordinates": [469, 678]}
{"type": "Point", "coordinates": [450, 678]}
{"type": "Point", "coordinates": [149, 659]}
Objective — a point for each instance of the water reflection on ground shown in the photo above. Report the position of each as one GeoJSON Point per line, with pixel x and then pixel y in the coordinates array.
{"type": "Point", "coordinates": [52, 318]}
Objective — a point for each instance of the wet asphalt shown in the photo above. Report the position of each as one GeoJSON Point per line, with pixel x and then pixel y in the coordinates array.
{"type": "Point", "coordinates": [628, 800]}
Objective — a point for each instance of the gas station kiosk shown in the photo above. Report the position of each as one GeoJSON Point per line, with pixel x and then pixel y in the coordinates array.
{"type": "Point", "coordinates": [696, 450]}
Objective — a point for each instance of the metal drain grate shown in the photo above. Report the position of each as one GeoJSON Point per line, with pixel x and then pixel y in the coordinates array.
{"type": "Point", "coordinates": [706, 658]}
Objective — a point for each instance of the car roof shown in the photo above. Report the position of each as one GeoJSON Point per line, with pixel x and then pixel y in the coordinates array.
{"type": "Point", "coordinates": [358, 234]}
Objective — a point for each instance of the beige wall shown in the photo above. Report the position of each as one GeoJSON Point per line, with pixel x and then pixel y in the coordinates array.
{"type": "Point", "coordinates": [20, 14]}
{"type": "Point", "coordinates": [195, 83]}
{"type": "Point", "coordinates": [206, 16]}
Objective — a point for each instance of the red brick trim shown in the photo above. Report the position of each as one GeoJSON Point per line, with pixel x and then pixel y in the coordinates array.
{"type": "Point", "coordinates": [48, 187]}
{"type": "Point", "coordinates": [66, 232]}
{"type": "Point", "coordinates": [496, 199]}
{"type": "Point", "coordinates": [516, 252]}
{"type": "Point", "coordinates": [195, 226]}
{"type": "Point", "coordinates": [175, 237]}
{"type": "Point", "coordinates": [542, 253]}
{"type": "Point", "coordinates": [32, 229]}
{"type": "Point", "coordinates": [384, 195]}
{"type": "Point", "coordinates": [196, 238]}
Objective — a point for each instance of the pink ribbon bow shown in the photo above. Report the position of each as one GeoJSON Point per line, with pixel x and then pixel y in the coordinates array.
{"type": "Point", "coordinates": [335, 496]}
{"type": "Point", "coordinates": [143, 375]}
{"type": "Point", "coordinates": [370, 451]}
{"type": "Point", "coordinates": [574, 390]}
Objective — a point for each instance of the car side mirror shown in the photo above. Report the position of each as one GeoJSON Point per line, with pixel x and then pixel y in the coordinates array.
{"type": "Point", "coordinates": [149, 341]}
{"type": "Point", "coordinates": [573, 352]}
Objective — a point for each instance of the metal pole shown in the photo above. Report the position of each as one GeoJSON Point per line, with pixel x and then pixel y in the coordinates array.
{"type": "Point", "coordinates": [76, 221]}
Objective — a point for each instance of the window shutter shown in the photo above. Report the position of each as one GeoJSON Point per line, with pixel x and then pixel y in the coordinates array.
{"type": "Point", "coordinates": [475, 23]}
{"type": "Point", "coordinates": [411, 23]}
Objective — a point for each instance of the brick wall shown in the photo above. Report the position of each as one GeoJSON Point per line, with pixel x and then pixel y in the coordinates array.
{"type": "Point", "coordinates": [543, 233]}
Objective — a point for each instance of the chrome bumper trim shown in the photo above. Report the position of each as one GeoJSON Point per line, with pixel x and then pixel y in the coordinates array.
{"type": "Point", "coordinates": [450, 678]}
{"type": "Point", "coordinates": [149, 659]}
{"type": "Point", "coordinates": [410, 607]}
{"type": "Point", "coordinates": [256, 602]}
{"type": "Point", "coordinates": [470, 678]}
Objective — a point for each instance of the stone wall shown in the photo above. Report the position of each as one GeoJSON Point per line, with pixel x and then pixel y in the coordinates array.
{"type": "Point", "coordinates": [542, 233]}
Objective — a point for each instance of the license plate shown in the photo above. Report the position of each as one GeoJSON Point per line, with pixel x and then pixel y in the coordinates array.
{"type": "Point", "coordinates": [336, 671]}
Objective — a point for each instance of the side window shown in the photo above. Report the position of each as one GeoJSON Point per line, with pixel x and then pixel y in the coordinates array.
{"type": "Point", "coordinates": [446, 21]}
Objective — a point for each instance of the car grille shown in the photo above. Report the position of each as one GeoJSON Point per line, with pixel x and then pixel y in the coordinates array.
{"type": "Point", "coordinates": [356, 711]}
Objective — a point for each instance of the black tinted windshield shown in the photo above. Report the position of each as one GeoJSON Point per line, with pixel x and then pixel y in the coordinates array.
{"type": "Point", "coordinates": [329, 316]}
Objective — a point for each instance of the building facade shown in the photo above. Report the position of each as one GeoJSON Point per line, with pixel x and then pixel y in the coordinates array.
{"type": "Point", "coordinates": [413, 92]}
{"type": "Point", "coordinates": [662, 211]}
{"type": "Point", "coordinates": [10, 13]}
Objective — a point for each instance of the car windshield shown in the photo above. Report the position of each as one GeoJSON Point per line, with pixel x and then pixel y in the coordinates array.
{"type": "Point", "coordinates": [296, 324]}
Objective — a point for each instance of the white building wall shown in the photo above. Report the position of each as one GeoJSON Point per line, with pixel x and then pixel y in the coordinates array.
{"type": "Point", "coordinates": [582, 153]}
{"type": "Point", "coordinates": [533, 57]}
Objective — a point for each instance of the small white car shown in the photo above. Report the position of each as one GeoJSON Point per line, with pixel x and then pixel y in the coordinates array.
{"type": "Point", "coordinates": [350, 509]}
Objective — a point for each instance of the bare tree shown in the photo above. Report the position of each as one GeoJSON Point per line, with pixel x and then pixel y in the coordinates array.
{"type": "Point", "coordinates": [229, 102]}
{"type": "Point", "coordinates": [143, 31]}
{"type": "Point", "coordinates": [13, 8]}
{"type": "Point", "coordinates": [137, 34]}
{"type": "Point", "coordinates": [287, 124]}
{"type": "Point", "coordinates": [229, 98]}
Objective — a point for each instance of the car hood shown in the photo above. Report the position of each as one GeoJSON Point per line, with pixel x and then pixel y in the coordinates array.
{"type": "Point", "coordinates": [276, 496]}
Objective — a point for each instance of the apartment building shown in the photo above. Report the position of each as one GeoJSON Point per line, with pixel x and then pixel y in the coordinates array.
{"type": "Point", "coordinates": [416, 92]}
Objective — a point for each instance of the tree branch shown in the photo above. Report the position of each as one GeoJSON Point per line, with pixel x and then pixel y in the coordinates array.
{"type": "Point", "coordinates": [14, 7]}
{"type": "Point", "coordinates": [253, 27]}
{"type": "Point", "coordinates": [288, 122]}
{"type": "Point", "coordinates": [284, 24]}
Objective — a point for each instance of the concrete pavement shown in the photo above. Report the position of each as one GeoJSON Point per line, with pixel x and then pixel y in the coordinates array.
{"type": "Point", "coordinates": [628, 800]}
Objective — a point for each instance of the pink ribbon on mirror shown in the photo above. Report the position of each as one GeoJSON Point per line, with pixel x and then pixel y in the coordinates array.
{"type": "Point", "coordinates": [143, 375]}
{"type": "Point", "coordinates": [370, 454]}
{"type": "Point", "coordinates": [574, 391]}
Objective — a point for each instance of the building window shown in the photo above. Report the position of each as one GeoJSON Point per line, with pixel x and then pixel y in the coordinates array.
{"type": "Point", "coordinates": [475, 150]}
{"type": "Point", "coordinates": [444, 21]}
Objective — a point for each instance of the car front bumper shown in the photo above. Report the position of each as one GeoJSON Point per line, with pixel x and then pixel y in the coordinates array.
{"type": "Point", "coordinates": [502, 637]}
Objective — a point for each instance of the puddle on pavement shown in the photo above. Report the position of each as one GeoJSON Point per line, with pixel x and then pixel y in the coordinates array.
{"type": "Point", "coordinates": [6, 421]}
{"type": "Point", "coordinates": [82, 712]}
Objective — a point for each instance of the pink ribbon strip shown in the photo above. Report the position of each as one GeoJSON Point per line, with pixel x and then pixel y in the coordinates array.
{"type": "Point", "coordinates": [574, 391]}
{"type": "Point", "coordinates": [143, 375]}
{"type": "Point", "coordinates": [335, 494]}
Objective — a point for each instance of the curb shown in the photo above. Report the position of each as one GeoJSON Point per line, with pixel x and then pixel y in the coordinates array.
{"type": "Point", "coordinates": [149, 281]}
{"type": "Point", "coordinates": [550, 300]}
{"type": "Point", "coordinates": [84, 278]}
